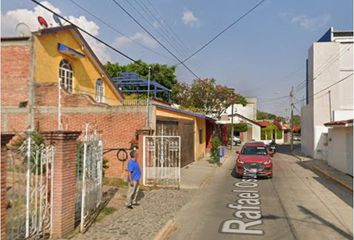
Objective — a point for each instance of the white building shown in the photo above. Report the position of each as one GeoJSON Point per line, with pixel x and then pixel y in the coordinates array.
{"type": "Point", "coordinates": [249, 111]}
{"type": "Point", "coordinates": [247, 114]}
{"type": "Point", "coordinates": [340, 145]}
{"type": "Point", "coordinates": [329, 90]}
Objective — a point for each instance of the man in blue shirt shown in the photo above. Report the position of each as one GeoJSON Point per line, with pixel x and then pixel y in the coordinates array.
{"type": "Point", "coordinates": [134, 175]}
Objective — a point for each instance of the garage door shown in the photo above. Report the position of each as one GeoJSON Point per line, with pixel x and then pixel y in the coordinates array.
{"type": "Point", "coordinates": [183, 128]}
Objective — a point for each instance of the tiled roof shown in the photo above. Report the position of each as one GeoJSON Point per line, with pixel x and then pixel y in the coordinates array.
{"type": "Point", "coordinates": [343, 123]}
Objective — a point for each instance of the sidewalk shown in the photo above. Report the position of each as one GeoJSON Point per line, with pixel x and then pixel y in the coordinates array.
{"type": "Point", "coordinates": [158, 207]}
{"type": "Point", "coordinates": [196, 174]}
{"type": "Point", "coordinates": [321, 167]}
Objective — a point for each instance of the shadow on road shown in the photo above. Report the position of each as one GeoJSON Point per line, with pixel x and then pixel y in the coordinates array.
{"type": "Point", "coordinates": [339, 191]}
{"type": "Point", "coordinates": [325, 222]}
{"type": "Point", "coordinates": [342, 193]}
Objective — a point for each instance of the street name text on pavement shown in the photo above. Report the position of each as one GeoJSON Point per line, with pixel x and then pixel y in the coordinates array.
{"type": "Point", "coordinates": [248, 211]}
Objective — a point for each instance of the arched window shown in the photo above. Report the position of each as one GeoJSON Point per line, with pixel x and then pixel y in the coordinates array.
{"type": "Point", "coordinates": [99, 90]}
{"type": "Point", "coordinates": [66, 75]}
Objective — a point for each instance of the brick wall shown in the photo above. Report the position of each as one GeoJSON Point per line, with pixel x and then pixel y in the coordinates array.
{"type": "Point", "coordinates": [15, 68]}
{"type": "Point", "coordinates": [118, 128]}
{"type": "Point", "coordinates": [117, 124]}
{"type": "Point", "coordinates": [5, 138]}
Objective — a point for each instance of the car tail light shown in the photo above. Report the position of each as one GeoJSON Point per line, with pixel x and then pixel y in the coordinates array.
{"type": "Point", "coordinates": [269, 161]}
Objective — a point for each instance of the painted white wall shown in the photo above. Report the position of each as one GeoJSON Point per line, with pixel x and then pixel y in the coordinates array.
{"type": "Point", "coordinates": [340, 149]}
{"type": "Point", "coordinates": [328, 63]}
{"type": "Point", "coordinates": [248, 111]}
{"type": "Point", "coordinates": [256, 132]}
{"type": "Point", "coordinates": [307, 130]}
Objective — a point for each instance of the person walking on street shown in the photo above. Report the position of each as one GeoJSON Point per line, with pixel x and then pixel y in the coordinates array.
{"type": "Point", "coordinates": [134, 175]}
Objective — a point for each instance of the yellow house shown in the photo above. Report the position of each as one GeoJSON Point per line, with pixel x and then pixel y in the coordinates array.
{"type": "Point", "coordinates": [62, 54]}
{"type": "Point", "coordinates": [189, 125]}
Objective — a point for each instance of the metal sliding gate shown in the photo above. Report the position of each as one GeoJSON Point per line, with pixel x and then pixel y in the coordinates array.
{"type": "Point", "coordinates": [29, 186]}
{"type": "Point", "coordinates": [89, 176]}
{"type": "Point", "coordinates": [162, 161]}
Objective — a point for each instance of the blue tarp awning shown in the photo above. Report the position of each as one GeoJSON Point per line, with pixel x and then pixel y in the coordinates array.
{"type": "Point", "coordinates": [69, 51]}
{"type": "Point", "coordinates": [129, 82]}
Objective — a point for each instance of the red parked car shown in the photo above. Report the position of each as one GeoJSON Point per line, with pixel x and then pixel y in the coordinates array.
{"type": "Point", "coordinates": [254, 160]}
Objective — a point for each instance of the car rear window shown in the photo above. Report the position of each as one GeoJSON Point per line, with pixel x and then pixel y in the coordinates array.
{"type": "Point", "coordinates": [253, 150]}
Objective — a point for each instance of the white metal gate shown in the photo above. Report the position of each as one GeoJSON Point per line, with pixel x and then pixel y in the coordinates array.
{"type": "Point", "coordinates": [90, 178]}
{"type": "Point", "coordinates": [29, 185]}
{"type": "Point", "coordinates": [162, 161]}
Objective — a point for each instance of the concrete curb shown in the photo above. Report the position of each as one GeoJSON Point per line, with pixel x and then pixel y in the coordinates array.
{"type": "Point", "coordinates": [166, 230]}
{"type": "Point", "coordinates": [343, 184]}
{"type": "Point", "coordinates": [296, 156]}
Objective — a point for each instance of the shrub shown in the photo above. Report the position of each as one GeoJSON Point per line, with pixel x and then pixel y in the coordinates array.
{"type": "Point", "coordinates": [214, 151]}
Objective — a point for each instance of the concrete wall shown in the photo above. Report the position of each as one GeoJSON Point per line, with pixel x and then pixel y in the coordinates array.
{"type": "Point", "coordinates": [340, 149]}
{"type": "Point", "coordinates": [307, 130]}
{"type": "Point", "coordinates": [328, 63]}
{"type": "Point", "coordinates": [248, 111]}
{"type": "Point", "coordinates": [256, 132]}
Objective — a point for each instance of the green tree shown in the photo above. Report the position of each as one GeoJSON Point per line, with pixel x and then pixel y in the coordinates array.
{"type": "Point", "coordinates": [160, 73]}
{"type": "Point", "coordinates": [297, 119]}
{"type": "Point", "coordinates": [240, 127]}
{"type": "Point", "coordinates": [207, 97]}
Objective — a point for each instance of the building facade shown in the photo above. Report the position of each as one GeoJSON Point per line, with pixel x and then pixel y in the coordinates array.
{"type": "Point", "coordinates": [329, 90]}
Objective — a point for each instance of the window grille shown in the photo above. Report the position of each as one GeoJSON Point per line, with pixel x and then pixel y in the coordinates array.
{"type": "Point", "coordinates": [66, 75]}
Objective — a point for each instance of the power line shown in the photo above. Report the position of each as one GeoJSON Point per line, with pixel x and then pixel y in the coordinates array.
{"type": "Point", "coordinates": [224, 30]}
{"type": "Point", "coordinates": [81, 29]}
{"type": "Point", "coordinates": [164, 22]}
{"type": "Point", "coordinates": [115, 29]}
{"type": "Point", "coordinates": [163, 29]}
{"type": "Point", "coordinates": [160, 33]}
{"type": "Point", "coordinates": [162, 45]}
{"type": "Point", "coordinates": [324, 89]}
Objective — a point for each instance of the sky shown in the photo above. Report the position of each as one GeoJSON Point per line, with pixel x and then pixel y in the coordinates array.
{"type": "Point", "coordinates": [263, 55]}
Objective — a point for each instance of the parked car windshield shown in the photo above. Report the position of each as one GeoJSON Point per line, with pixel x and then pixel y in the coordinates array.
{"type": "Point", "coordinates": [254, 151]}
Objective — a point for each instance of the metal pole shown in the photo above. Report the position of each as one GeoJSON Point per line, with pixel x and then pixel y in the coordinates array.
{"type": "Point", "coordinates": [60, 127]}
{"type": "Point", "coordinates": [148, 100]}
{"type": "Point", "coordinates": [83, 192]}
{"type": "Point", "coordinates": [292, 120]}
{"type": "Point", "coordinates": [232, 126]}
{"type": "Point", "coordinates": [330, 106]}
{"type": "Point", "coordinates": [28, 191]}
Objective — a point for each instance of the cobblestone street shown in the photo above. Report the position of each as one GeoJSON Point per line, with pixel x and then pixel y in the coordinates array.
{"type": "Point", "coordinates": [142, 222]}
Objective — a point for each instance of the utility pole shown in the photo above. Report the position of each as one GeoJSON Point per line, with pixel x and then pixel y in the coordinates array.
{"type": "Point", "coordinates": [292, 118]}
{"type": "Point", "coordinates": [232, 126]}
{"type": "Point", "coordinates": [148, 101]}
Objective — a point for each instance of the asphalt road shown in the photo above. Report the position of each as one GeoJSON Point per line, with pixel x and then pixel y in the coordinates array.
{"type": "Point", "coordinates": [295, 204]}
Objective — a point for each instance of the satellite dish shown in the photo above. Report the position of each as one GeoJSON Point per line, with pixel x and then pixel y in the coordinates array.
{"type": "Point", "coordinates": [23, 30]}
{"type": "Point", "coordinates": [57, 19]}
{"type": "Point", "coordinates": [42, 22]}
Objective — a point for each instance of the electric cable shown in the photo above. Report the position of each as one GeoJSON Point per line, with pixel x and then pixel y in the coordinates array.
{"type": "Point", "coordinates": [137, 22]}
{"type": "Point", "coordinates": [224, 30]}
{"type": "Point", "coordinates": [116, 30]}
{"type": "Point", "coordinates": [83, 30]}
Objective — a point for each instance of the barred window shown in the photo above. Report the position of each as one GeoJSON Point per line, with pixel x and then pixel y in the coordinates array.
{"type": "Point", "coordinates": [99, 90]}
{"type": "Point", "coordinates": [66, 75]}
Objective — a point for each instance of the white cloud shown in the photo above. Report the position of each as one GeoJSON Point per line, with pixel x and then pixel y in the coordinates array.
{"type": "Point", "coordinates": [311, 22]}
{"type": "Point", "coordinates": [10, 19]}
{"type": "Point", "coordinates": [143, 38]}
{"type": "Point", "coordinates": [189, 19]}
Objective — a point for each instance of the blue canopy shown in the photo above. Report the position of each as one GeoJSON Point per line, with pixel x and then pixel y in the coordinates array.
{"type": "Point", "coordinates": [129, 82]}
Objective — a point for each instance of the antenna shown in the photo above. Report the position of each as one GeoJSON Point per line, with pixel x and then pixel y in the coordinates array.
{"type": "Point", "coordinates": [57, 20]}
{"type": "Point", "coordinates": [23, 30]}
{"type": "Point", "coordinates": [42, 22]}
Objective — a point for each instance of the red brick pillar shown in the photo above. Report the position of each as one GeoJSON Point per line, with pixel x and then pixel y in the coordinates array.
{"type": "Point", "coordinates": [64, 180]}
{"type": "Point", "coordinates": [5, 138]}
{"type": "Point", "coordinates": [141, 133]}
